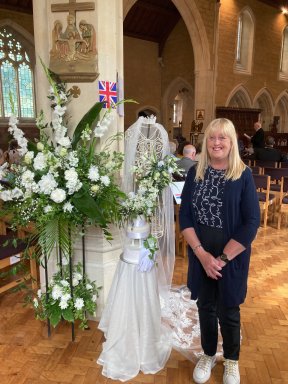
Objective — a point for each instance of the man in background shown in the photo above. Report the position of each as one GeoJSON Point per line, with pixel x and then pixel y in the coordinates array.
{"type": "Point", "coordinates": [188, 159]}
{"type": "Point", "coordinates": [258, 139]}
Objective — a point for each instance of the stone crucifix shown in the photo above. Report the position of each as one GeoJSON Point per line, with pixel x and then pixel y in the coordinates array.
{"type": "Point", "coordinates": [74, 55]}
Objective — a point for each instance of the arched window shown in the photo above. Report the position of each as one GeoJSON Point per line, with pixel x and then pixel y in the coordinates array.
{"type": "Point", "coordinates": [245, 41]}
{"type": "Point", "coordinates": [284, 56]}
{"type": "Point", "coordinates": [16, 76]}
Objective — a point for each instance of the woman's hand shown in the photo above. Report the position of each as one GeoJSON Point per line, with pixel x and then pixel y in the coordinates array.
{"type": "Point", "coordinates": [211, 265]}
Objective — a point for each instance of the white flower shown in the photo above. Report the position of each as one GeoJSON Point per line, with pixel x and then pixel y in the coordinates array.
{"type": "Point", "coordinates": [27, 178]}
{"type": "Point", "coordinates": [56, 292]}
{"type": "Point", "coordinates": [16, 193]}
{"type": "Point", "coordinates": [13, 120]}
{"type": "Point", "coordinates": [73, 184]}
{"type": "Point", "coordinates": [60, 110]}
{"type": "Point", "coordinates": [39, 293]}
{"type": "Point", "coordinates": [77, 276]}
{"type": "Point", "coordinates": [64, 283]}
{"type": "Point", "coordinates": [6, 195]}
{"type": "Point", "coordinates": [160, 163]}
{"type": "Point", "coordinates": [64, 141]}
{"type": "Point", "coordinates": [47, 209]}
{"type": "Point", "coordinates": [75, 282]}
{"type": "Point", "coordinates": [40, 146]}
{"type": "Point", "coordinates": [39, 161]}
{"type": "Point", "coordinates": [72, 158]}
{"type": "Point", "coordinates": [89, 286]}
{"type": "Point", "coordinates": [66, 296]}
{"type": "Point", "coordinates": [63, 152]}
{"type": "Point", "coordinates": [29, 157]}
{"type": "Point", "coordinates": [58, 195]}
{"type": "Point", "coordinates": [95, 188]}
{"type": "Point", "coordinates": [79, 303]}
{"type": "Point", "coordinates": [63, 304]}
{"type": "Point", "coordinates": [35, 302]}
{"type": "Point", "coordinates": [47, 184]}
{"type": "Point", "coordinates": [93, 173]}
{"type": "Point", "coordinates": [105, 180]}
{"type": "Point", "coordinates": [94, 298]}
{"type": "Point", "coordinates": [67, 207]}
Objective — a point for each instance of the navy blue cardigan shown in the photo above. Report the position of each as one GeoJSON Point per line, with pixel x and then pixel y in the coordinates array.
{"type": "Point", "coordinates": [241, 220]}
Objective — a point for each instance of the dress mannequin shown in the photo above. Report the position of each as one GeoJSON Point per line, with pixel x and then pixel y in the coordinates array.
{"type": "Point", "coordinates": [136, 337]}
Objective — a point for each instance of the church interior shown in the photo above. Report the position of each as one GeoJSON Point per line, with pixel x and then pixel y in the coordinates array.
{"type": "Point", "coordinates": [186, 63]}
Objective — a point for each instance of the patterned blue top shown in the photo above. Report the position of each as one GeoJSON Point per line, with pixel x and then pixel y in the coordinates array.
{"type": "Point", "coordinates": [208, 198]}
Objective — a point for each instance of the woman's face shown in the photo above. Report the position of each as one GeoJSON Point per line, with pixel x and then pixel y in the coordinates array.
{"type": "Point", "coordinates": [218, 146]}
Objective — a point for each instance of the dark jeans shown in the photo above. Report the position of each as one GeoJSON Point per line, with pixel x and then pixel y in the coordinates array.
{"type": "Point", "coordinates": [211, 308]}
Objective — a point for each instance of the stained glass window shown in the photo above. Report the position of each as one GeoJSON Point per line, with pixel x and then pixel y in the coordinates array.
{"type": "Point", "coordinates": [16, 77]}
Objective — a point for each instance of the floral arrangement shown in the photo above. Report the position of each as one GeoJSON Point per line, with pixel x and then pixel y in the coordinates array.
{"type": "Point", "coordinates": [152, 176]}
{"type": "Point", "coordinates": [64, 302]}
{"type": "Point", "coordinates": [62, 184]}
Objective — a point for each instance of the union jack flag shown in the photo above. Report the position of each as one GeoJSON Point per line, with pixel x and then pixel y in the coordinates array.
{"type": "Point", "coordinates": [107, 93]}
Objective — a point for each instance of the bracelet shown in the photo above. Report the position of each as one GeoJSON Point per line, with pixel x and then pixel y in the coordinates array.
{"type": "Point", "coordinates": [196, 247]}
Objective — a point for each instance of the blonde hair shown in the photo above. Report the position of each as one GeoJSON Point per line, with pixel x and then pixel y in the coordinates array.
{"type": "Point", "coordinates": [235, 164]}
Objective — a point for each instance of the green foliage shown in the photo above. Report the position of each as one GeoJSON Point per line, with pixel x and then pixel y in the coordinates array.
{"type": "Point", "coordinates": [62, 302]}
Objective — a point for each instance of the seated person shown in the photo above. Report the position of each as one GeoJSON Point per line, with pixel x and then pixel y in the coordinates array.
{"type": "Point", "coordinates": [188, 159]}
{"type": "Point", "coordinates": [268, 152]}
{"type": "Point", "coordinates": [180, 148]}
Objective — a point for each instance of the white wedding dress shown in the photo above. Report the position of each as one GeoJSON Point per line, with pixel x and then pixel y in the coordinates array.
{"type": "Point", "coordinates": [136, 338]}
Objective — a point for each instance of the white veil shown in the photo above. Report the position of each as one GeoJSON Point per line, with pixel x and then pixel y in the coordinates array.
{"type": "Point", "coordinates": [147, 136]}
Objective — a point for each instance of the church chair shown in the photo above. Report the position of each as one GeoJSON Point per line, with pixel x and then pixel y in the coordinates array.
{"type": "Point", "coordinates": [180, 242]}
{"type": "Point", "coordinates": [256, 169]}
{"type": "Point", "coordinates": [283, 164]}
{"type": "Point", "coordinates": [14, 249]}
{"type": "Point", "coordinates": [266, 200]}
{"type": "Point", "coordinates": [276, 175]}
{"type": "Point", "coordinates": [283, 208]}
{"type": "Point", "coordinates": [266, 163]}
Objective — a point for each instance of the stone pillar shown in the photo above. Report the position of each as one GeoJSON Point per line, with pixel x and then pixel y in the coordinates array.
{"type": "Point", "coordinates": [107, 19]}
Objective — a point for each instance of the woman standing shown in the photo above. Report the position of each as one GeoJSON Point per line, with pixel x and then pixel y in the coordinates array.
{"type": "Point", "coordinates": [219, 217]}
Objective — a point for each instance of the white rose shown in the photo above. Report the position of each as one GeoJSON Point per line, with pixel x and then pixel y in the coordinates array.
{"type": "Point", "coordinates": [40, 146]}
{"type": "Point", "coordinates": [39, 161]}
{"type": "Point", "coordinates": [47, 184]}
{"type": "Point", "coordinates": [58, 195]}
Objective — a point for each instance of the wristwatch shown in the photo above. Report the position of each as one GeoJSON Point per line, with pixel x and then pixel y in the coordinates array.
{"type": "Point", "coordinates": [224, 258]}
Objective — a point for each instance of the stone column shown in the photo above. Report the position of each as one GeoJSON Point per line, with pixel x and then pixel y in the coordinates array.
{"type": "Point", "coordinates": [107, 19]}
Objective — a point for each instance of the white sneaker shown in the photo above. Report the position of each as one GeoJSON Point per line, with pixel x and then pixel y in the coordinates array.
{"type": "Point", "coordinates": [231, 372]}
{"type": "Point", "coordinates": [202, 371]}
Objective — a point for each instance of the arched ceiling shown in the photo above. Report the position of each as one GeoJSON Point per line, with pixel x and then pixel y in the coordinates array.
{"type": "Point", "coordinates": [151, 20]}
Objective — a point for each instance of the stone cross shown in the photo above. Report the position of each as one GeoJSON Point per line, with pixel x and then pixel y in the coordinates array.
{"type": "Point", "coordinates": [72, 7]}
